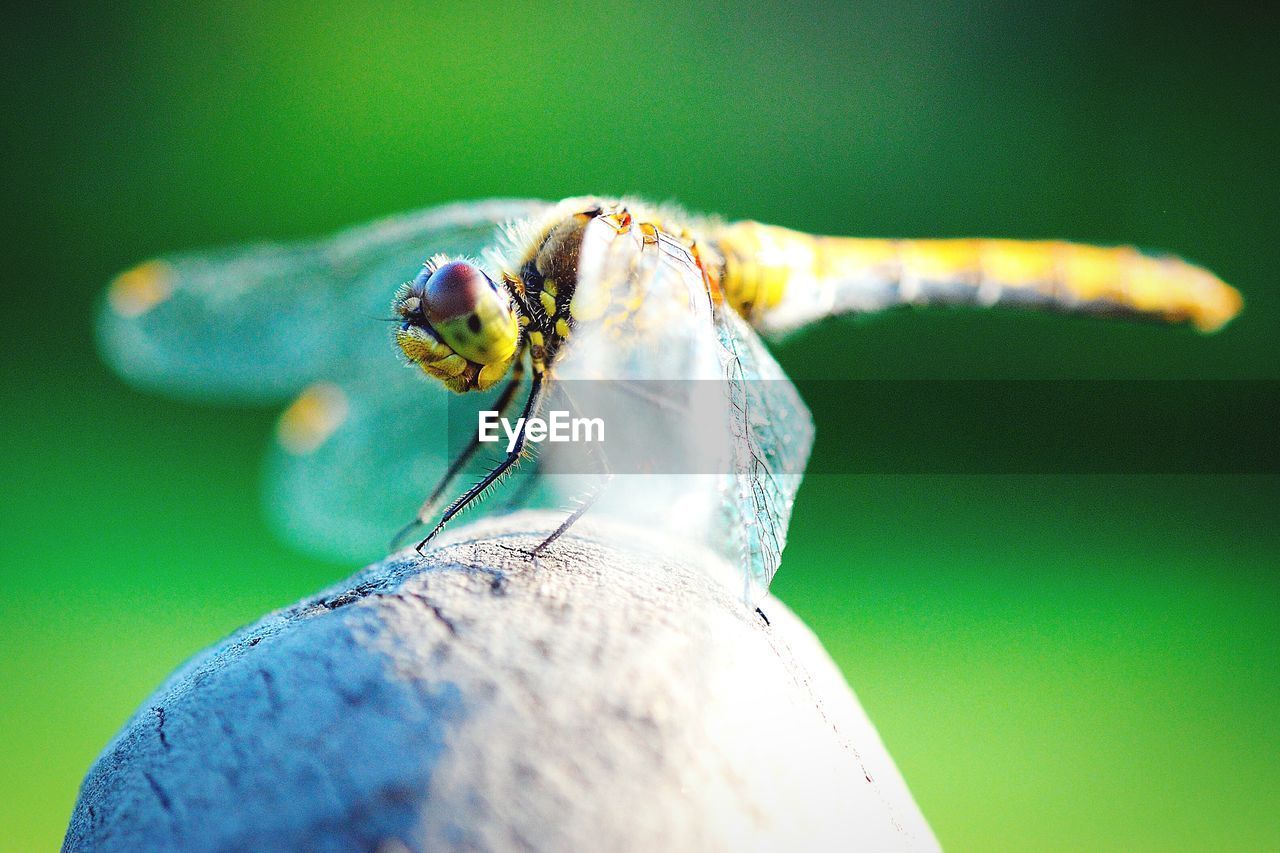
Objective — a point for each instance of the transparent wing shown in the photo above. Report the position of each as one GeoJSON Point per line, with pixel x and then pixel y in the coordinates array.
{"type": "Point", "coordinates": [352, 460]}
{"type": "Point", "coordinates": [705, 436]}
{"type": "Point", "coordinates": [365, 437]}
{"type": "Point", "coordinates": [258, 323]}
{"type": "Point", "coordinates": [773, 434]}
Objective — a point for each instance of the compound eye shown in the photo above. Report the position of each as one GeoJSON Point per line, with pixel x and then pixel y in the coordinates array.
{"type": "Point", "coordinates": [454, 291]}
{"type": "Point", "coordinates": [471, 314]}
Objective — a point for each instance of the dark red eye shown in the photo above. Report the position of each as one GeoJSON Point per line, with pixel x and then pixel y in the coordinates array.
{"type": "Point", "coordinates": [454, 290]}
{"type": "Point", "coordinates": [465, 310]}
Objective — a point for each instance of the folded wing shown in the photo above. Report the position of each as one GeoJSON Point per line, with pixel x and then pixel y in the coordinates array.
{"type": "Point", "coordinates": [706, 439]}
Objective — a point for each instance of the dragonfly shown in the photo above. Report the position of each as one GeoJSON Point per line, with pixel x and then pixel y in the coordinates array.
{"type": "Point", "coordinates": [518, 300]}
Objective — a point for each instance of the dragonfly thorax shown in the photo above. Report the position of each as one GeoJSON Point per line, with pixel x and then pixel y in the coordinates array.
{"type": "Point", "coordinates": [466, 330]}
{"type": "Point", "coordinates": [546, 280]}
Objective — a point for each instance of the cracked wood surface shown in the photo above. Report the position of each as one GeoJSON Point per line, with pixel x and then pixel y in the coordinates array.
{"type": "Point", "coordinates": [602, 699]}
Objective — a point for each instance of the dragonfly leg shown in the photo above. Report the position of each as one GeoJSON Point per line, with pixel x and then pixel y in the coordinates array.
{"type": "Point", "coordinates": [513, 456]}
{"type": "Point", "coordinates": [584, 503]}
{"type": "Point", "coordinates": [460, 461]}
{"type": "Point", "coordinates": [523, 490]}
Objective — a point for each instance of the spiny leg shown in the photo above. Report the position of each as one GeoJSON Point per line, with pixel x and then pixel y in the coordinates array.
{"type": "Point", "coordinates": [585, 502]}
{"type": "Point", "coordinates": [523, 490]}
{"type": "Point", "coordinates": [513, 456]}
{"type": "Point", "coordinates": [460, 461]}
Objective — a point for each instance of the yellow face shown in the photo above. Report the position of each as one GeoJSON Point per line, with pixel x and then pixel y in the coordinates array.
{"type": "Point", "coordinates": [457, 325]}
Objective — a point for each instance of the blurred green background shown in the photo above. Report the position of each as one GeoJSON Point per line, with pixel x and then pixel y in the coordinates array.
{"type": "Point", "coordinates": [1055, 662]}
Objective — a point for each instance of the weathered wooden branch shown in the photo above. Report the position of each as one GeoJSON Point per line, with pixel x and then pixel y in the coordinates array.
{"type": "Point", "coordinates": [599, 700]}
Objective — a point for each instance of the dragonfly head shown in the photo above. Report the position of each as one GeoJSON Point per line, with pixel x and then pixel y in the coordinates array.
{"type": "Point", "coordinates": [457, 324]}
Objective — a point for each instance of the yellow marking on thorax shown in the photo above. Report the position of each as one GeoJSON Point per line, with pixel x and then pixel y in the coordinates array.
{"type": "Point", "coordinates": [310, 419]}
{"type": "Point", "coordinates": [548, 303]}
{"type": "Point", "coordinates": [138, 290]}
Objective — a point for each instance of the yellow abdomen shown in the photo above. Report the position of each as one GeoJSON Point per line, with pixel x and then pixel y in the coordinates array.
{"type": "Point", "coordinates": [780, 279]}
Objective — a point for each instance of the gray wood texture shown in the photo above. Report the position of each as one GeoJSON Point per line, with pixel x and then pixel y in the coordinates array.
{"type": "Point", "coordinates": [607, 697]}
